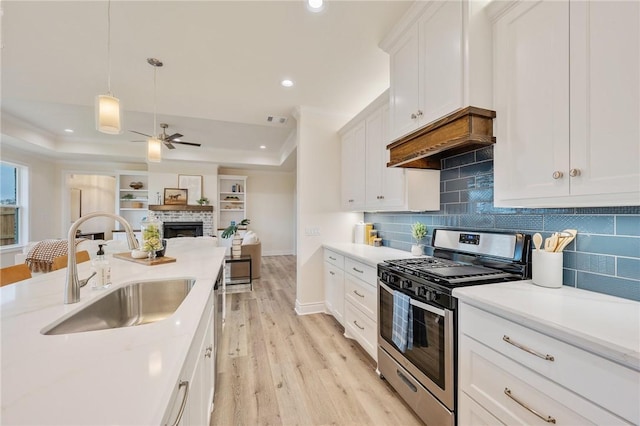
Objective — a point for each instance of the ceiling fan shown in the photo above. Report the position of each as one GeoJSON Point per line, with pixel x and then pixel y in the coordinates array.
{"type": "Point", "coordinates": [168, 140]}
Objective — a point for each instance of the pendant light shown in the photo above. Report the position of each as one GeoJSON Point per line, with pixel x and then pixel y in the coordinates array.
{"type": "Point", "coordinates": [108, 106]}
{"type": "Point", "coordinates": [154, 145]}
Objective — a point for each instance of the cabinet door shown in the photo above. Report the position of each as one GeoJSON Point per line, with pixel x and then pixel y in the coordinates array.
{"type": "Point", "coordinates": [605, 98]}
{"type": "Point", "coordinates": [532, 101]}
{"type": "Point", "coordinates": [441, 60]}
{"type": "Point", "coordinates": [334, 291]}
{"type": "Point", "coordinates": [405, 84]}
{"type": "Point", "coordinates": [353, 169]}
{"type": "Point", "coordinates": [393, 178]}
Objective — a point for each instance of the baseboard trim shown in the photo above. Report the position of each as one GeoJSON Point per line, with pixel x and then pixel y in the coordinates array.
{"type": "Point", "coordinates": [309, 308]}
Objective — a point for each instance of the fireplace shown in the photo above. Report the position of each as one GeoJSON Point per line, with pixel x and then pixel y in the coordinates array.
{"type": "Point", "coordinates": [182, 229]}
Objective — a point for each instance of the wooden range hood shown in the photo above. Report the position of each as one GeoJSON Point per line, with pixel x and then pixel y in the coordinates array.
{"type": "Point", "coordinates": [461, 131]}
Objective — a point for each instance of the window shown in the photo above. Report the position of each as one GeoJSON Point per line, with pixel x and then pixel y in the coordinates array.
{"type": "Point", "coordinates": [11, 203]}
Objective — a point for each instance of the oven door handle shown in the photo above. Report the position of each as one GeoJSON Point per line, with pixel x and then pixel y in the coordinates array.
{"type": "Point", "coordinates": [416, 303]}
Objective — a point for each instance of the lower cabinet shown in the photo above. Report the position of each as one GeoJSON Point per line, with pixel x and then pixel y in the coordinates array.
{"type": "Point", "coordinates": [511, 374]}
{"type": "Point", "coordinates": [192, 398]}
{"type": "Point", "coordinates": [351, 297]}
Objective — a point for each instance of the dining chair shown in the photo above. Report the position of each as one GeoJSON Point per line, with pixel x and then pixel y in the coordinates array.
{"type": "Point", "coordinates": [61, 261]}
{"type": "Point", "coordinates": [12, 274]}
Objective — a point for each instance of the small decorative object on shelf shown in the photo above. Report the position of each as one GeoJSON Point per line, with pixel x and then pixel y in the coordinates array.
{"type": "Point", "coordinates": [136, 185]}
{"type": "Point", "coordinates": [418, 232]}
{"type": "Point", "coordinates": [232, 230]}
{"type": "Point", "coordinates": [203, 201]}
{"type": "Point", "coordinates": [151, 236]}
{"type": "Point", "coordinates": [127, 197]}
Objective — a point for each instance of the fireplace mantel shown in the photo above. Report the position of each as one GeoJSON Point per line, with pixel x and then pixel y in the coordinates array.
{"type": "Point", "coordinates": [180, 208]}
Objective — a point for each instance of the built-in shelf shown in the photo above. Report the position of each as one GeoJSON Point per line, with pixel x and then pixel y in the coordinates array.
{"type": "Point", "coordinates": [180, 208]}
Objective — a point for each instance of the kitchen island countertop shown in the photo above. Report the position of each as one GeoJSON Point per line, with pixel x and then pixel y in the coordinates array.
{"type": "Point", "coordinates": [117, 376]}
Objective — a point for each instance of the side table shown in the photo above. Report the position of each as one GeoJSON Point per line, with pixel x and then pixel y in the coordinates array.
{"type": "Point", "coordinates": [228, 260]}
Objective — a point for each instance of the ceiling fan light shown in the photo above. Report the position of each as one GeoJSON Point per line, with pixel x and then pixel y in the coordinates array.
{"type": "Point", "coordinates": [108, 114]}
{"type": "Point", "coordinates": [154, 150]}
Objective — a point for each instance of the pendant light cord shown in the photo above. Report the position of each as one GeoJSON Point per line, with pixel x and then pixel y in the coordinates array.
{"type": "Point", "coordinates": [155, 73]}
{"type": "Point", "coordinates": [109, 47]}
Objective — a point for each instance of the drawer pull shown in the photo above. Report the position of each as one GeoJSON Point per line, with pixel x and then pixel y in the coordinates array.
{"type": "Point", "coordinates": [332, 273]}
{"type": "Point", "coordinates": [358, 325]}
{"type": "Point", "coordinates": [357, 270]}
{"type": "Point", "coordinates": [332, 258]}
{"type": "Point", "coordinates": [406, 381]}
{"type": "Point", "coordinates": [183, 384]}
{"type": "Point", "coordinates": [547, 419]}
{"type": "Point", "coordinates": [358, 294]}
{"type": "Point", "coordinates": [526, 349]}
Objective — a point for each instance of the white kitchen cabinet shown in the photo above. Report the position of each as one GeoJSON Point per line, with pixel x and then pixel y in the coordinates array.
{"type": "Point", "coordinates": [131, 203]}
{"type": "Point", "coordinates": [334, 284]}
{"type": "Point", "coordinates": [353, 168]}
{"type": "Point", "coordinates": [192, 397]}
{"type": "Point", "coordinates": [361, 313]}
{"type": "Point", "coordinates": [368, 184]}
{"type": "Point", "coordinates": [440, 60]}
{"type": "Point", "coordinates": [521, 376]}
{"type": "Point", "coordinates": [567, 99]}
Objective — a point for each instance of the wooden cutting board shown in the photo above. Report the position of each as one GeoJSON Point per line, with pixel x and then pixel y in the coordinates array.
{"type": "Point", "coordinates": [144, 261]}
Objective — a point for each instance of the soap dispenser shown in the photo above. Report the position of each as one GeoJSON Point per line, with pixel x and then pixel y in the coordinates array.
{"type": "Point", "coordinates": [103, 270]}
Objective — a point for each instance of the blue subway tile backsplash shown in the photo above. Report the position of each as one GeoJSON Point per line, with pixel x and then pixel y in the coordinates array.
{"type": "Point", "coordinates": [605, 257]}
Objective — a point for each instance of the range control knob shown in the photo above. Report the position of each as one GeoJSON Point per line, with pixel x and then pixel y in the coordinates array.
{"type": "Point", "coordinates": [406, 284]}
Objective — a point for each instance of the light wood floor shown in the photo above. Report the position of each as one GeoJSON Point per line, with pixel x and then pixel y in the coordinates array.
{"type": "Point", "coordinates": [278, 368]}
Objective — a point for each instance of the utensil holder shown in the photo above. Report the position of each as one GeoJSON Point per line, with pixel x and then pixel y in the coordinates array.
{"type": "Point", "coordinates": [547, 268]}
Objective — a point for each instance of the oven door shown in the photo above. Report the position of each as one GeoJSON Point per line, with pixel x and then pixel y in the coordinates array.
{"type": "Point", "coordinates": [430, 360]}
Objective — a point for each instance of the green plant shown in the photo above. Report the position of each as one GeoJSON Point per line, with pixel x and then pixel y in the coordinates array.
{"type": "Point", "coordinates": [127, 197]}
{"type": "Point", "coordinates": [418, 231]}
{"type": "Point", "coordinates": [230, 230]}
{"type": "Point", "coordinates": [203, 200]}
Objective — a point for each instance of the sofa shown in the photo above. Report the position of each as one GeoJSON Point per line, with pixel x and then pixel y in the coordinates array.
{"type": "Point", "coordinates": [251, 245]}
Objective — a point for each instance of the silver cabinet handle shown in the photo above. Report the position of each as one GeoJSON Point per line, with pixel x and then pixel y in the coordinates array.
{"type": "Point", "coordinates": [547, 419]}
{"type": "Point", "coordinates": [574, 172]}
{"type": "Point", "coordinates": [357, 270]}
{"type": "Point", "coordinates": [332, 273]}
{"type": "Point", "coordinates": [358, 294]}
{"type": "Point", "coordinates": [183, 384]}
{"type": "Point", "coordinates": [526, 349]}
{"type": "Point", "coordinates": [208, 351]}
{"type": "Point", "coordinates": [358, 325]}
{"type": "Point", "coordinates": [413, 116]}
{"type": "Point", "coordinates": [557, 174]}
{"type": "Point", "coordinates": [332, 258]}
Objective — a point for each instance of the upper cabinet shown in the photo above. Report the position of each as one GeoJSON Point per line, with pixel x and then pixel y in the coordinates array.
{"type": "Point", "coordinates": [567, 98]}
{"type": "Point", "coordinates": [440, 56]}
{"type": "Point", "coordinates": [367, 183]}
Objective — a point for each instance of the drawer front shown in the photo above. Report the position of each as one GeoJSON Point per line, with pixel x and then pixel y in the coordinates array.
{"type": "Point", "coordinates": [361, 328]}
{"type": "Point", "coordinates": [514, 394]}
{"type": "Point", "coordinates": [334, 258]}
{"type": "Point", "coordinates": [362, 295]}
{"type": "Point", "coordinates": [604, 382]}
{"type": "Point", "coordinates": [365, 272]}
{"type": "Point", "coordinates": [470, 413]}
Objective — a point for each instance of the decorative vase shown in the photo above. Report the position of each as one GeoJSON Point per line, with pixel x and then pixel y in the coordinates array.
{"type": "Point", "coordinates": [416, 250]}
{"type": "Point", "coordinates": [151, 236]}
{"type": "Point", "coordinates": [236, 245]}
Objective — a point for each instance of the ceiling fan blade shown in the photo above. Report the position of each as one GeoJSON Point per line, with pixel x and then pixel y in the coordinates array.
{"type": "Point", "coordinates": [143, 134]}
{"type": "Point", "coordinates": [187, 143]}
{"type": "Point", "coordinates": [169, 145]}
{"type": "Point", "coordinates": [172, 137]}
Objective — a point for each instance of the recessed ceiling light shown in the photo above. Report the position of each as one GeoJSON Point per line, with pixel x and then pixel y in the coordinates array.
{"type": "Point", "coordinates": [286, 83]}
{"type": "Point", "coordinates": [68, 130]}
{"type": "Point", "coordinates": [315, 5]}
{"type": "Point", "coordinates": [263, 147]}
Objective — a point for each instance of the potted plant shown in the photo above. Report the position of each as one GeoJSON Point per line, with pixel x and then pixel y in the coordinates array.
{"type": "Point", "coordinates": [203, 201]}
{"type": "Point", "coordinates": [232, 230]}
{"type": "Point", "coordinates": [418, 232]}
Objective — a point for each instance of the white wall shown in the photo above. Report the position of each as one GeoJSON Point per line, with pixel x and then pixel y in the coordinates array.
{"type": "Point", "coordinates": [318, 200]}
{"type": "Point", "coordinates": [270, 207]}
{"type": "Point", "coordinates": [44, 198]}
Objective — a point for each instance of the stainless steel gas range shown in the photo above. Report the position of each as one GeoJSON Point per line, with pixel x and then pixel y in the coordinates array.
{"type": "Point", "coordinates": [417, 318]}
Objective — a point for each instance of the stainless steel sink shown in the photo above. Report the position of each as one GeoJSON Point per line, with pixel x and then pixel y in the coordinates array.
{"type": "Point", "coordinates": [133, 304]}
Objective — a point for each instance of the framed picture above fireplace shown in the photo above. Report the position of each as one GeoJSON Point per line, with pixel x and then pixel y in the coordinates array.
{"type": "Point", "coordinates": [175, 196]}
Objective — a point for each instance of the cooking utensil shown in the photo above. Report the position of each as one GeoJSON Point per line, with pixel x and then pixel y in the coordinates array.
{"type": "Point", "coordinates": [566, 239]}
{"type": "Point", "coordinates": [537, 240]}
{"type": "Point", "coordinates": [551, 243]}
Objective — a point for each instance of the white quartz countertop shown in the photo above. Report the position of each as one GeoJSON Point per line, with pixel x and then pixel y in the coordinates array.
{"type": "Point", "coordinates": [604, 325]}
{"type": "Point", "coordinates": [115, 377]}
{"type": "Point", "coordinates": [368, 254]}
